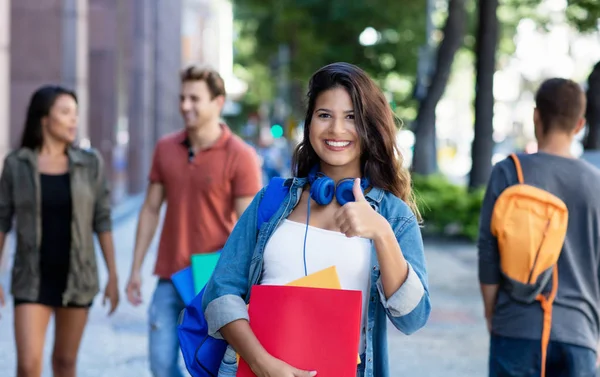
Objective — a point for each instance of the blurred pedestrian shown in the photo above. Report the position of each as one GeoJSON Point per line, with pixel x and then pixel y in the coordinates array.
{"type": "Point", "coordinates": [531, 228]}
{"type": "Point", "coordinates": [207, 176]}
{"type": "Point", "coordinates": [59, 196]}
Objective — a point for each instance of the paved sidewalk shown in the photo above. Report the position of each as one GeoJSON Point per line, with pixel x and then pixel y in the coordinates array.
{"type": "Point", "coordinates": [453, 344]}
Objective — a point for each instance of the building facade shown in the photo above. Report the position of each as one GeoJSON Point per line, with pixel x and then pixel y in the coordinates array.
{"type": "Point", "coordinates": [121, 57]}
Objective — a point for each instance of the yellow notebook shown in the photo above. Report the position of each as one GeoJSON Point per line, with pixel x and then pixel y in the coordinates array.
{"type": "Point", "coordinates": [327, 279]}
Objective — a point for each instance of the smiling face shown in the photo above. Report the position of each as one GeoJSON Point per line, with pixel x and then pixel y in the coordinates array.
{"type": "Point", "coordinates": [333, 134]}
{"type": "Point", "coordinates": [61, 121]}
{"type": "Point", "coordinates": [198, 107]}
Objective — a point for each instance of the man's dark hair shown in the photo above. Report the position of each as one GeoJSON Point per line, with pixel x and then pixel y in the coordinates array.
{"type": "Point", "coordinates": [211, 77]}
{"type": "Point", "coordinates": [560, 104]}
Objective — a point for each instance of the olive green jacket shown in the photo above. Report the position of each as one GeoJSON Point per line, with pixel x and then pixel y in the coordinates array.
{"type": "Point", "coordinates": [20, 198]}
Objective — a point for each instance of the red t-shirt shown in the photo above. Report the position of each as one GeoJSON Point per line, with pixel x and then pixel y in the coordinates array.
{"type": "Point", "coordinates": [200, 195]}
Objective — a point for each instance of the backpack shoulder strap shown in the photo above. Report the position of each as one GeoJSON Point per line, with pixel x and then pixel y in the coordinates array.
{"type": "Point", "coordinates": [271, 200]}
{"type": "Point", "coordinates": [518, 167]}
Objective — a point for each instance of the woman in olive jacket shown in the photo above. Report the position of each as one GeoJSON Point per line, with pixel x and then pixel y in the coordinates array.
{"type": "Point", "coordinates": [58, 195]}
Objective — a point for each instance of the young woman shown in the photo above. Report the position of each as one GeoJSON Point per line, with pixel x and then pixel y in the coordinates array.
{"type": "Point", "coordinates": [373, 240]}
{"type": "Point", "coordinates": [59, 196]}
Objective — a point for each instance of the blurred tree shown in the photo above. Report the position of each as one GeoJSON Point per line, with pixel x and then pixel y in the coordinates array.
{"type": "Point", "coordinates": [584, 14]}
{"type": "Point", "coordinates": [321, 32]}
{"type": "Point", "coordinates": [483, 142]}
{"type": "Point", "coordinates": [494, 30]}
{"type": "Point", "coordinates": [509, 13]}
{"type": "Point", "coordinates": [425, 152]}
{"type": "Point", "coordinates": [505, 15]}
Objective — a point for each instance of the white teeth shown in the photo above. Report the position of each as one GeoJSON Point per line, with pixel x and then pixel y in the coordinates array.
{"type": "Point", "coordinates": [337, 144]}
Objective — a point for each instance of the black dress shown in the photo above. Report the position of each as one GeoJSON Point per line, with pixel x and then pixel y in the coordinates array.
{"type": "Point", "coordinates": [57, 212]}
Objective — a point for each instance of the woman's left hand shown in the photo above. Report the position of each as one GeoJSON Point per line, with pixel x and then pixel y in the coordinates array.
{"type": "Point", "coordinates": [111, 293]}
{"type": "Point", "coordinates": [358, 219]}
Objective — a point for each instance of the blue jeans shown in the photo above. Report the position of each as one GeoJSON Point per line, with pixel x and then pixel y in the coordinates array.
{"type": "Point", "coordinates": [511, 357]}
{"type": "Point", "coordinates": [164, 344]}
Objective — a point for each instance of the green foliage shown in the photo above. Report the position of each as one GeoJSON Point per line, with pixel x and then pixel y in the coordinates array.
{"type": "Point", "coordinates": [584, 14]}
{"type": "Point", "coordinates": [510, 13]}
{"type": "Point", "coordinates": [581, 14]}
{"type": "Point", "coordinates": [321, 32]}
{"type": "Point", "coordinates": [447, 208]}
{"type": "Point", "coordinates": [248, 68]}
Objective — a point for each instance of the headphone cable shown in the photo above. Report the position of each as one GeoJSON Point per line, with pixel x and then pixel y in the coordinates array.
{"type": "Point", "coordinates": [305, 236]}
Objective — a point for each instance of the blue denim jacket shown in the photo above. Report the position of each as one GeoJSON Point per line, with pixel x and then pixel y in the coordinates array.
{"type": "Point", "coordinates": [241, 264]}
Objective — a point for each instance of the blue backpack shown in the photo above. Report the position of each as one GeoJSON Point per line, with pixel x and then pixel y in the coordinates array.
{"type": "Point", "coordinates": [203, 353]}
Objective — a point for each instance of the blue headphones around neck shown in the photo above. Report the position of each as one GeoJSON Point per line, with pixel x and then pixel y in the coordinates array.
{"type": "Point", "coordinates": [322, 191]}
{"type": "Point", "coordinates": [323, 188]}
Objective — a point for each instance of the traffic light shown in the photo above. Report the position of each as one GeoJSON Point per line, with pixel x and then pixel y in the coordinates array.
{"type": "Point", "coordinates": [277, 131]}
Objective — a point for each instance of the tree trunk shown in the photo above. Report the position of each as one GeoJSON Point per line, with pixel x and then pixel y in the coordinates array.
{"type": "Point", "coordinates": [592, 139]}
{"type": "Point", "coordinates": [425, 153]}
{"type": "Point", "coordinates": [483, 142]}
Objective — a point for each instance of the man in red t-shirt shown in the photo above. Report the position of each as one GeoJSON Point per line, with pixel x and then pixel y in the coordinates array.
{"type": "Point", "coordinates": [207, 176]}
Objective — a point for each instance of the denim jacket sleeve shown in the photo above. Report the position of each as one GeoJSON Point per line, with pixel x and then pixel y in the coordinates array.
{"type": "Point", "coordinates": [225, 295]}
{"type": "Point", "coordinates": [409, 307]}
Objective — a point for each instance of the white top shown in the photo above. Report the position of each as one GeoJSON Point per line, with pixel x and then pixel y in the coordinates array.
{"type": "Point", "coordinates": [284, 259]}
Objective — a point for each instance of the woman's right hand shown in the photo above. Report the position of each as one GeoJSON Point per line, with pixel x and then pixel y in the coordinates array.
{"type": "Point", "coordinates": [273, 367]}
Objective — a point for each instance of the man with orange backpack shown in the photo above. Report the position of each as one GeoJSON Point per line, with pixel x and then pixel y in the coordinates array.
{"type": "Point", "coordinates": [539, 248]}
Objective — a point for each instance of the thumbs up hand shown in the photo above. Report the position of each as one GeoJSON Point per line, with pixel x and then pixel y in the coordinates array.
{"type": "Point", "coordinates": [359, 196]}
{"type": "Point", "coordinates": [358, 219]}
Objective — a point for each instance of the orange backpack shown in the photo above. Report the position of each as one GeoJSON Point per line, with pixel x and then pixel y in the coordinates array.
{"type": "Point", "coordinates": [530, 225]}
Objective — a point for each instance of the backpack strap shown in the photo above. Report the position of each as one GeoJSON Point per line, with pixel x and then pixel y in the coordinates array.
{"type": "Point", "coordinates": [546, 303]}
{"type": "Point", "coordinates": [271, 200]}
{"type": "Point", "coordinates": [518, 167]}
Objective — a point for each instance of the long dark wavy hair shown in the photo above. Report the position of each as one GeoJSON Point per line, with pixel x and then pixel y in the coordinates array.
{"type": "Point", "coordinates": [381, 159]}
{"type": "Point", "coordinates": [40, 104]}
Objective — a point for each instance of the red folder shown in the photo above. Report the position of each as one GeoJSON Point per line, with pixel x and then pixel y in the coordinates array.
{"type": "Point", "coordinates": [308, 328]}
